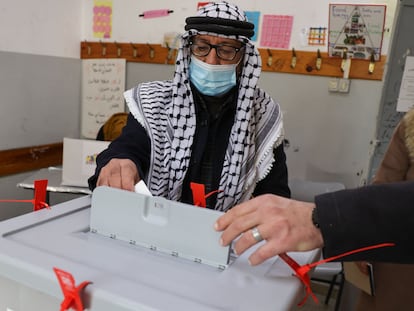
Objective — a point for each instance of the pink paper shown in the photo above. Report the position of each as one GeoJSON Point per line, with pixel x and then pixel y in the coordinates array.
{"type": "Point", "coordinates": [102, 19]}
{"type": "Point", "coordinates": [155, 13]}
{"type": "Point", "coordinates": [276, 31]}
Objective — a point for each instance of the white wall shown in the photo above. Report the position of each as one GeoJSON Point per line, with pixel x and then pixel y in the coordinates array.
{"type": "Point", "coordinates": [44, 27]}
{"type": "Point", "coordinates": [330, 134]}
{"type": "Point", "coordinates": [128, 27]}
{"type": "Point", "coordinates": [39, 81]}
{"type": "Point", "coordinates": [39, 71]}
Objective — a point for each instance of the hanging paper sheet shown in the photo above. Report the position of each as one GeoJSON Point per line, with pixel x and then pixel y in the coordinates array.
{"type": "Point", "coordinates": [103, 85]}
{"type": "Point", "coordinates": [276, 31]}
{"type": "Point", "coordinates": [102, 19]}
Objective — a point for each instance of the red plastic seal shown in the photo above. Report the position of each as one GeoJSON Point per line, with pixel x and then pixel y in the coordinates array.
{"type": "Point", "coordinates": [72, 294]}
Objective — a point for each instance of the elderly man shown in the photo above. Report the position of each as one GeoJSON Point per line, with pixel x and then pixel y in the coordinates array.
{"type": "Point", "coordinates": [210, 125]}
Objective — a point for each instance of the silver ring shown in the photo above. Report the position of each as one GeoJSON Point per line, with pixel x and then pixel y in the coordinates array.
{"type": "Point", "coordinates": [256, 235]}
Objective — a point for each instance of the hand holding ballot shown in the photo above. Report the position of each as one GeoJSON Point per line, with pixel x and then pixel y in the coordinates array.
{"type": "Point", "coordinates": [119, 173]}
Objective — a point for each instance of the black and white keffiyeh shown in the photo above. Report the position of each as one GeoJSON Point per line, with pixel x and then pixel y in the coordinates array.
{"type": "Point", "coordinates": [166, 110]}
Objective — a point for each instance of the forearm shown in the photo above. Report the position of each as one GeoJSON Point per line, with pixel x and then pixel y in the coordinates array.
{"type": "Point", "coordinates": [356, 218]}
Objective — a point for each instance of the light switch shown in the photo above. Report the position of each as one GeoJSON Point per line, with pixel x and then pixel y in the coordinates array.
{"type": "Point", "coordinates": [344, 85]}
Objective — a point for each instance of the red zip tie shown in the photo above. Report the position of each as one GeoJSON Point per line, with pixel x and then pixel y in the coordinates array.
{"type": "Point", "coordinates": [301, 272]}
{"type": "Point", "coordinates": [212, 192]}
{"type": "Point", "coordinates": [199, 194]}
{"type": "Point", "coordinates": [39, 196]}
{"type": "Point", "coordinates": [40, 191]}
{"type": "Point", "coordinates": [71, 292]}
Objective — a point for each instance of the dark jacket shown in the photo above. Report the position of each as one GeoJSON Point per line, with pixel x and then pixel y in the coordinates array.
{"type": "Point", "coordinates": [351, 219]}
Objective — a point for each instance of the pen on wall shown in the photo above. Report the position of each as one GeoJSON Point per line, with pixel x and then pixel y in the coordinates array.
{"type": "Point", "coordinates": [156, 13]}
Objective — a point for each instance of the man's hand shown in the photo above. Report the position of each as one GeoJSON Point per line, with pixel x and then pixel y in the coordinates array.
{"type": "Point", "coordinates": [285, 224]}
{"type": "Point", "coordinates": [119, 173]}
{"type": "Point", "coordinates": [362, 266]}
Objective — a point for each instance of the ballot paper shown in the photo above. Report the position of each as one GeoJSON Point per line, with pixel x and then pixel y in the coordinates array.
{"type": "Point", "coordinates": [142, 188]}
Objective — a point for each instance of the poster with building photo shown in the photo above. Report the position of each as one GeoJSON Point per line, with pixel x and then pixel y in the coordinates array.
{"type": "Point", "coordinates": [356, 29]}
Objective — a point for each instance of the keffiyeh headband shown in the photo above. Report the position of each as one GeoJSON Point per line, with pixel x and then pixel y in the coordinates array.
{"type": "Point", "coordinates": [224, 20]}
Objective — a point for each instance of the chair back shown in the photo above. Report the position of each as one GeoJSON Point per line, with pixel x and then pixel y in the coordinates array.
{"type": "Point", "coordinates": [306, 190]}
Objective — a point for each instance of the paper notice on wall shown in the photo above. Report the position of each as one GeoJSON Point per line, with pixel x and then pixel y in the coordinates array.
{"type": "Point", "coordinates": [406, 96]}
{"type": "Point", "coordinates": [103, 85]}
{"type": "Point", "coordinates": [276, 31]}
{"type": "Point", "coordinates": [254, 17]}
{"type": "Point", "coordinates": [102, 19]}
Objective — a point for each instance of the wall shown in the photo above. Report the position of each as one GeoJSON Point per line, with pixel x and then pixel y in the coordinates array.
{"type": "Point", "coordinates": [44, 27]}
{"type": "Point", "coordinates": [329, 133]}
{"type": "Point", "coordinates": [39, 81]}
{"type": "Point", "coordinates": [40, 71]}
{"type": "Point", "coordinates": [40, 99]}
{"type": "Point", "coordinates": [127, 26]}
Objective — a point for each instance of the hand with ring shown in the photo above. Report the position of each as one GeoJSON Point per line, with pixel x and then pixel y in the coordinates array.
{"type": "Point", "coordinates": [283, 223]}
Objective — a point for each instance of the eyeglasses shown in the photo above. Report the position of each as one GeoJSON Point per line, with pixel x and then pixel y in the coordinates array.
{"type": "Point", "coordinates": [223, 51]}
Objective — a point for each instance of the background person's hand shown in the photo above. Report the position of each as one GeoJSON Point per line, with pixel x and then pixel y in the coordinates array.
{"type": "Point", "coordinates": [119, 173]}
{"type": "Point", "coordinates": [362, 266]}
{"type": "Point", "coordinates": [285, 224]}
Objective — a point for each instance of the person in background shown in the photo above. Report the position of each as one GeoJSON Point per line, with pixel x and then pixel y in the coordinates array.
{"type": "Point", "coordinates": [337, 222]}
{"type": "Point", "coordinates": [393, 282]}
{"type": "Point", "coordinates": [112, 127]}
{"type": "Point", "coordinates": [211, 124]}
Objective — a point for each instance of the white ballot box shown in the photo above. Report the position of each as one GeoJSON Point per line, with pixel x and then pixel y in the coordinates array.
{"type": "Point", "coordinates": [128, 276]}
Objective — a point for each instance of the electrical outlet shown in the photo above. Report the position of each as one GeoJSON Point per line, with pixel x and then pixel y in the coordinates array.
{"type": "Point", "coordinates": [344, 85]}
{"type": "Point", "coordinates": [333, 85]}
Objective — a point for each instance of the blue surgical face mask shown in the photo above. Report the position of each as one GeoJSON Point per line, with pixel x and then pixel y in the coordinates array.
{"type": "Point", "coordinates": [212, 80]}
